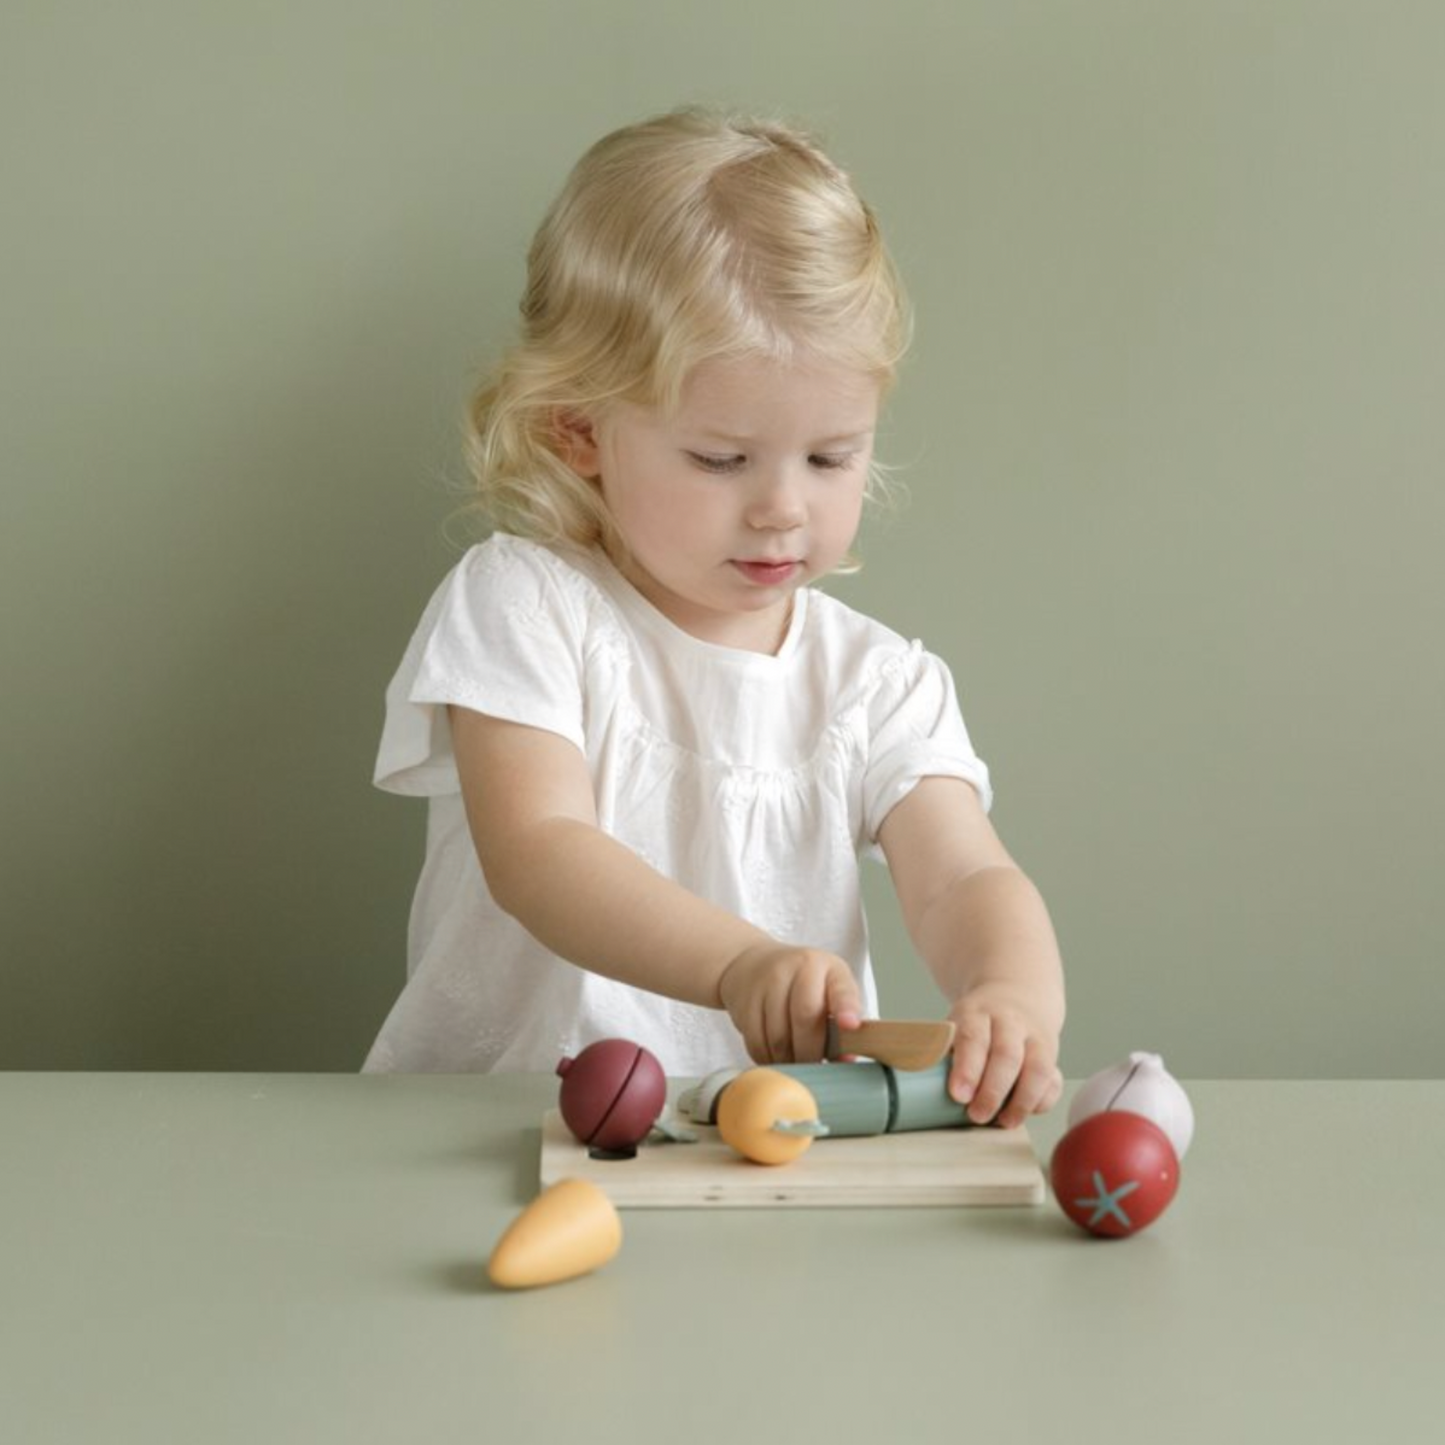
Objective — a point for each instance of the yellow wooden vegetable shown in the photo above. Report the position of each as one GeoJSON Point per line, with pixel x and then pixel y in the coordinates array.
{"type": "Point", "coordinates": [567, 1230]}
{"type": "Point", "coordinates": [767, 1116]}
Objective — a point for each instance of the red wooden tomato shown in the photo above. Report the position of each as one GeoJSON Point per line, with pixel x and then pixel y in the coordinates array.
{"type": "Point", "coordinates": [1115, 1172]}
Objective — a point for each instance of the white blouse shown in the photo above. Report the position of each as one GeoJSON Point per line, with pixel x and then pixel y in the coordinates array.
{"type": "Point", "coordinates": [755, 781]}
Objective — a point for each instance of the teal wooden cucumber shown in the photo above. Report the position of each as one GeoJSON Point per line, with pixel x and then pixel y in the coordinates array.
{"type": "Point", "coordinates": [853, 1099]}
{"type": "Point", "coordinates": [870, 1098]}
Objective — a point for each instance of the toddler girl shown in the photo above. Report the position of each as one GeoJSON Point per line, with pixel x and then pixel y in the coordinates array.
{"type": "Point", "coordinates": [653, 754]}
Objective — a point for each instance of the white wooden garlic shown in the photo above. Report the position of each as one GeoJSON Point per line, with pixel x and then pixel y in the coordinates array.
{"type": "Point", "coordinates": [1142, 1085]}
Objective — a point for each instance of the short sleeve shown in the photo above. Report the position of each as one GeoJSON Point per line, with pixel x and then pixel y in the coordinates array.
{"type": "Point", "coordinates": [502, 635]}
{"type": "Point", "coordinates": [916, 731]}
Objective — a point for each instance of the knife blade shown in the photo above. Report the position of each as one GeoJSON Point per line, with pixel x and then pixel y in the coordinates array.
{"type": "Point", "coordinates": [907, 1044]}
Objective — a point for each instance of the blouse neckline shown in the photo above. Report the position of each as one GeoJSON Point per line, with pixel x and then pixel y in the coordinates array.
{"type": "Point", "coordinates": [678, 639]}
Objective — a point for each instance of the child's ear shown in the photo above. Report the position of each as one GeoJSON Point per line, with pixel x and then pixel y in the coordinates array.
{"type": "Point", "coordinates": [575, 437]}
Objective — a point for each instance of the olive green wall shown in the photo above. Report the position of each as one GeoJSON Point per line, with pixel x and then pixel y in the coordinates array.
{"type": "Point", "coordinates": [1172, 431]}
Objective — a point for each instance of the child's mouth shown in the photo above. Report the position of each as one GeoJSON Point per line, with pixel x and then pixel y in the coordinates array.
{"type": "Point", "coordinates": [767, 574]}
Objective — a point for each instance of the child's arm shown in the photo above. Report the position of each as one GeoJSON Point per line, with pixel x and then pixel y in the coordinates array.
{"type": "Point", "coordinates": [593, 901]}
{"type": "Point", "coordinates": [985, 934]}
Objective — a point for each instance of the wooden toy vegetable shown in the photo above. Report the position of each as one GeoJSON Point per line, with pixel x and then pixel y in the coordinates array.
{"type": "Point", "coordinates": [1114, 1173]}
{"type": "Point", "coordinates": [565, 1231]}
{"type": "Point", "coordinates": [612, 1093]}
{"type": "Point", "coordinates": [768, 1117]}
{"type": "Point", "coordinates": [1142, 1085]}
{"type": "Point", "coordinates": [853, 1099]}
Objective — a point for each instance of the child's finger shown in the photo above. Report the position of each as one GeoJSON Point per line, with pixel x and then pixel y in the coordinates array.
{"type": "Point", "coordinates": [755, 1034]}
{"type": "Point", "coordinates": [808, 1009]}
{"type": "Point", "coordinates": [822, 985]}
{"type": "Point", "coordinates": [1005, 1061]}
{"type": "Point", "coordinates": [844, 1001]}
{"type": "Point", "coordinates": [777, 1021]}
{"type": "Point", "coordinates": [970, 1053]}
{"type": "Point", "coordinates": [1030, 1092]}
{"type": "Point", "coordinates": [768, 1034]}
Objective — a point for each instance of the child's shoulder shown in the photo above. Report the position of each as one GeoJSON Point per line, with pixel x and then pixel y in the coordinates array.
{"type": "Point", "coordinates": [857, 659]}
{"type": "Point", "coordinates": [840, 628]}
{"type": "Point", "coordinates": [505, 552]}
{"type": "Point", "coordinates": [517, 569]}
{"type": "Point", "coordinates": [516, 584]}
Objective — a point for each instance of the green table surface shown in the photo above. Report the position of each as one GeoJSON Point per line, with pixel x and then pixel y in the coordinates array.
{"type": "Point", "coordinates": [216, 1258]}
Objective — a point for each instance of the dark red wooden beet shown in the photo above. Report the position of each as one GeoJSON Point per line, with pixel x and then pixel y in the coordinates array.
{"type": "Point", "coordinates": [612, 1093]}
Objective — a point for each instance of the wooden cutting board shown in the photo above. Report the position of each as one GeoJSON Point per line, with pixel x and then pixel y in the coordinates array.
{"type": "Point", "coordinates": [930, 1167]}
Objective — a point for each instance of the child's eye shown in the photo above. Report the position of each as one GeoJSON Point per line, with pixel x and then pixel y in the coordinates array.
{"type": "Point", "coordinates": [712, 463]}
{"type": "Point", "coordinates": [831, 461]}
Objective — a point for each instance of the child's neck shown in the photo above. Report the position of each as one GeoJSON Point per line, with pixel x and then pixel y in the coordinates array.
{"type": "Point", "coordinates": [764, 631]}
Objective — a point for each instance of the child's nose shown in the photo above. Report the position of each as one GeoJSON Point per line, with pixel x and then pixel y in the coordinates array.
{"type": "Point", "coordinates": [777, 502]}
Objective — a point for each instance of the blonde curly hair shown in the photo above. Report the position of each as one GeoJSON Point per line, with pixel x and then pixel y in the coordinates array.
{"type": "Point", "coordinates": [690, 237]}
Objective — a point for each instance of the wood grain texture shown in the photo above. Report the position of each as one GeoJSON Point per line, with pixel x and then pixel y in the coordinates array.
{"type": "Point", "coordinates": [938, 1167]}
{"type": "Point", "coordinates": [900, 1043]}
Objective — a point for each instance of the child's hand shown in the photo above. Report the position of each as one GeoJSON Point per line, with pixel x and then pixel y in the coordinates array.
{"type": "Point", "coordinates": [1005, 1055]}
{"type": "Point", "coordinates": [780, 996]}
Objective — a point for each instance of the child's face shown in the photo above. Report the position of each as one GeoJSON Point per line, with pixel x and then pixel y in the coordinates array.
{"type": "Point", "coordinates": [753, 488]}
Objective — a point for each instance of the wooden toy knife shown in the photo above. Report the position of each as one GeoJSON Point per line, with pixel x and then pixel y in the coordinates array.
{"type": "Point", "coordinates": [899, 1043]}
